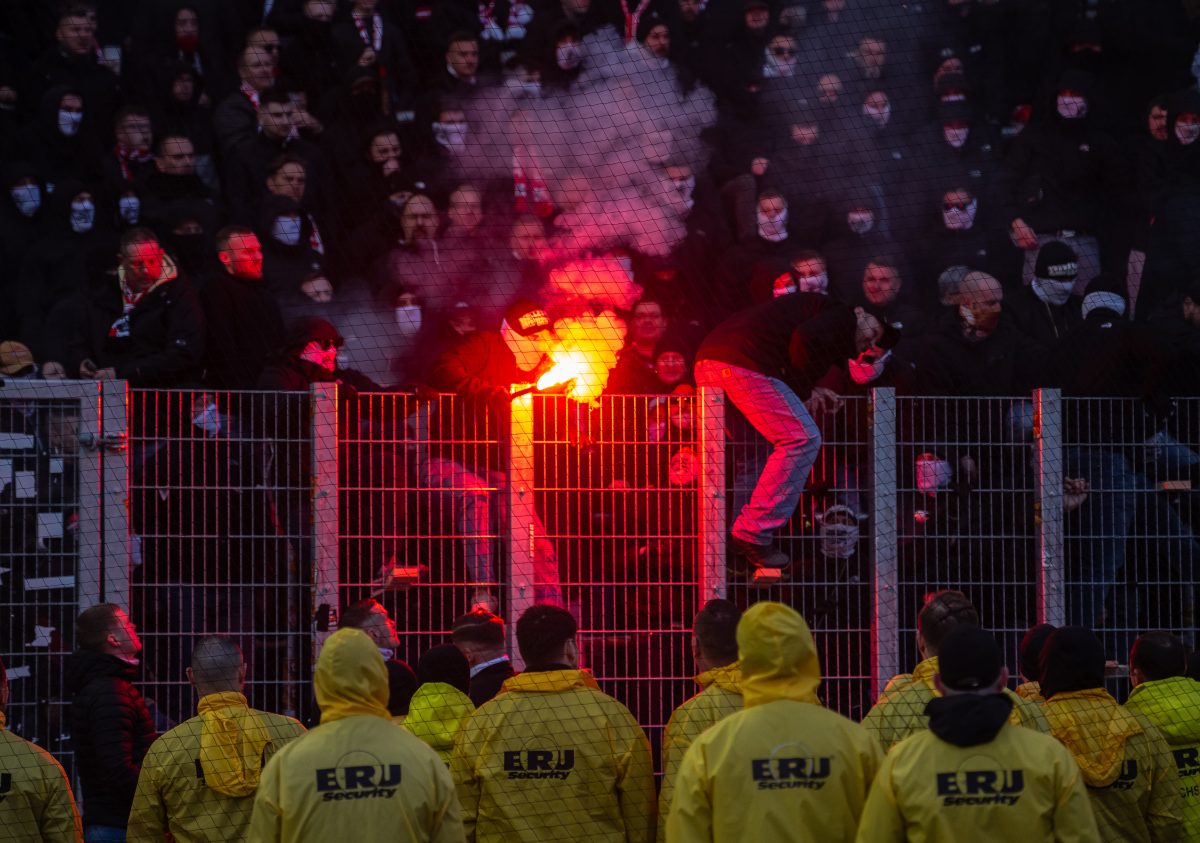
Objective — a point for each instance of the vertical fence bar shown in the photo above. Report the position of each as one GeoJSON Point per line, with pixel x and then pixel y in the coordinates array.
{"type": "Point", "coordinates": [90, 573]}
{"type": "Point", "coordinates": [885, 649]}
{"type": "Point", "coordinates": [710, 520]}
{"type": "Point", "coordinates": [522, 518]}
{"type": "Point", "coordinates": [1048, 505]}
{"type": "Point", "coordinates": [324, 398]}
{"type": "Point", "coordinates": [114, 457]}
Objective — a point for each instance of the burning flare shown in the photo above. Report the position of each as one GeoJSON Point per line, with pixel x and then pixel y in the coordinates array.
{"type": "Point", "coordinates": [586, 351]}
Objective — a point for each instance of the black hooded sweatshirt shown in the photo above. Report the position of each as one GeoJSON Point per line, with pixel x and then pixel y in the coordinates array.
{"type": "Point", "coordinates": [56, 156]}
{"type": "Point", "coordinates": [285, 266]}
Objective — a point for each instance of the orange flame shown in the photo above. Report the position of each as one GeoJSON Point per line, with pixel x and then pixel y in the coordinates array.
{"type": "Point", "coordinates": [587, 350]}
{"type": "Point", "coordinates": [568, 366]}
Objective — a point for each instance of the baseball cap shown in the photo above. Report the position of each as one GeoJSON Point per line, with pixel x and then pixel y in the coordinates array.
{"type": "Point", "coordinates": [527, 317]}
{"type": "Point", "coordinates": [969, 658]}
{"type": "Point", "coordinates": [15, 358]}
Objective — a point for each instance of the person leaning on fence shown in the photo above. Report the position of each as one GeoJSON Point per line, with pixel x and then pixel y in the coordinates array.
{"type": "Point", "coordinates": [110, 726]}
{"type": "Point", "coordinates": [357, 775]}
{"type": "Point", "coordinates": [1125, 762]}
{"type": "Point", "coordinates": [784, 768]}
{"type": "Point", "coordinates": [198, 780]}
{"type": "Point", "coordinates": [441, 705]}
{"type": "Point", "coordinates": [1030, 654]}
{"type": "Point", "coordinates": [36, 802]}
{"type": "Point", "coordinates": [974, 775]}
{"type": "Point", "coordinates": [900, 710]}
{"type": "Point", "coordinates": [1164, 694]}
{"type": "Point", "coordinates": [715, 651]}
{"type": "Point", "coordinates": [372, 618]}
{"type": "Point", "coordinates": [479, 635]}
{"type": "Point", "coordinates": [553, 757]}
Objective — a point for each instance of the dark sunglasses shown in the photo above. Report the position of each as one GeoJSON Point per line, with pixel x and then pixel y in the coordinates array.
{"type": "Point", "coordinates": [783, 51]}
{"type": "Point", "coordinates": [961, 206]}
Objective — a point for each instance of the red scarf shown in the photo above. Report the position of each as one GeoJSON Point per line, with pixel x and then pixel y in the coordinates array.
{"type": "Point", "coordinates": [530, 192]}
{"type": "Point", "coordinates": [632, 18]}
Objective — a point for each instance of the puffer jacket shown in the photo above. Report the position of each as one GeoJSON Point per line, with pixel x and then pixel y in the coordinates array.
{"type": "Point", "coordinates": [435, 715]}
{"type": "Point", "coordinates": [358, 775]}
{"type": "Point", "coordinates": [1126, 766]}
{"type": "Point", "coordinates": [721, 696]}
{"type": "Point", "coordinates": [900, 709]}
{"type": "Point", "coordinates": [111, 731]}
{"type": "Point", "coordinates": [198, 780]}
{"type": "Point", "coordinates": [784, 768]}
{"type": "Point", "coordinates": [1173, 706]}
{"type": "Point", "coordinates": [554, 758]}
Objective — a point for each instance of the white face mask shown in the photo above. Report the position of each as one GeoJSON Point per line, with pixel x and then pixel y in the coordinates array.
{"type": "Point", "coordinates": [408, 319]}
{"type": "Point", "coordinates": [933, 474]}
{"type": "Point", "coordinates": [864, 370]}
{"type": "Point", "coordinates": [568, 56]}
{"type": "Point", "coordinates": [813, 283]}
{"type": "Point", "coordinates": [773, 230]}
{"type": "Point", "coordinates": [326, 358]}
{"type": "Point", "coordinates": [69, 122]}
{"type": "Point", "coordinates": [1186, 133]}
{"type": "Point", "coordinates": [1071, 108]}
{"type": "Point", "coordinates": [208, 420]}
{"type": "Point", "coordinates": [1053, 293]}
{"type": "Point", "coordinates": [83, 216]}
{"type": "Point", "coordinates": [28, 198]}
{"type": "Point", "coordinates": [860, 222]}
{"type": "Point", "coordinates": [956, 137]}
{"type": "Point", "coordinates": [838, 541]}
{"type": "Point", "coordinates": [286, 230]}
{"type": "Point", "coordinates": [960, 219]}
{"type": "Point", "coordinates": [779, 67]}
{"type": "Point", "coordinates": [130, 208]}
{"type": "Point", "coordinates": [880, 116]}
{"type": "Point", "coordinates": [451, 135]}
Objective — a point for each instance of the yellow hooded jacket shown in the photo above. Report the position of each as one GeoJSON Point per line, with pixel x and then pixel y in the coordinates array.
{"type": "Point", "coordinates": [900, 709]}
{"type": "Point", "coordinates": [784, 768]}
{"type": "Point", "coordinates": [1126, 766]}
{"type": "Point", "coordinates": [1031, 691]}
{"type": "Point", "coordinates": [721, 697]}
{"type": "Point", "coordinates": [358, 775]}
{"type": "Point", "coordinates": [551, 758]}
{"type": "Point", "coordinates": [198, 780]}
{"type": "Point", "coordinates": [435, 715]}
{"type": "Point", "coordinates": [35, 797]}
{"type": "Point", "coordinates": [1173, 706]}
{"type": "Point", "coordinates": [1021, 786]}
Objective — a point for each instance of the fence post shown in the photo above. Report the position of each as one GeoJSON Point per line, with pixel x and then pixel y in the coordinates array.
{"type": "Point", "coordinates": [1048, 505]}
{"type": "Point", "coordinates": [324, 433]}
{"type": "Point", "coordinates": [885, 645]}
{"type": "Point", "coordinates": [114, 493]}
{"type": "Point", "coordinates": [522, 518]}
{"type": "Point", "coordinates": [710, 499]}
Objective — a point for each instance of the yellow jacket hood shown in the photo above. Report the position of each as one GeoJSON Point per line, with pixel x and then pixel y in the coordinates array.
{"type": "Point", "coordinates": [351, 678]}
{"type": "Point", "coordinates": [1173, 705]}
{"type": "Point", "coordinates": [1094, 728]}
{"type": "Point", "coordinates": [777, 655]}
{"type": "Point", "coordinates": [232, 738]}
{"type": "Point", "coordinates": [549, 681]}
{"type": "Point", "coordinates": [726, 677]}
{"type": "Point", "coordinates": [435, 715]}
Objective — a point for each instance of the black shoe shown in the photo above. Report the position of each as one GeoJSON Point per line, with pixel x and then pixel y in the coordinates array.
{"type": "Point", "coordinates": [761, 555]}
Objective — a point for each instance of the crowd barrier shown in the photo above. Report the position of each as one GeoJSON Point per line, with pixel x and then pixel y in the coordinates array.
{"type": "Point", "coordinates": [260, 515]}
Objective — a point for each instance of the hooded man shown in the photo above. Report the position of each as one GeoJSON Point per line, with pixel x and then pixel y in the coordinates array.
{"type": "Point", "coordinates": [973, 774]}
{"type": "Point", "coordinates": [553, 757]}
{"type": "Point", "coordinates": [900, 710]}
{"type": "Point", "coordinates": [356, 771]}
{"type": "Point", "coordinates": [198, 780]}
{"type": "Point", "coordinates": [715, 651]}
{"type": "Point", "coordinates": [1046, 310]}
{"type": "Point", "coordinates": [784, 767]}
{"type": "Point", "coordinates": [110, 726]}
{"type": "Point", "coordinates": [1165, 695]}
{"type": "Point", "coordinates": [441, 705]}
{"type": "Point", "coordinates": [1125, 762]}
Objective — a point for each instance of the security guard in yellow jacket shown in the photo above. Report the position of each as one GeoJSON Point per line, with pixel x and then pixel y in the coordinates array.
{"type": "Point", "coordinates": [198, 780]}
{"type": "Point", "coordinates": [784, 768]}
{"type": "Point", "coordinates": [35, 797]}
{"type": "Point", "coordinates": [714, 648]}
{"type": "Point", "coordinates": [900, 709]}
{"type": "Point", "coordinates": [1164, 695]}
{"type": "Point", "coordinates": [1125, 762]}
{"type": "Point", "coordinates": [357, 776]}
{"type": "Point", "coordinates": [972, 775]}
{"type": "Point", "coordinates": [552, 758]}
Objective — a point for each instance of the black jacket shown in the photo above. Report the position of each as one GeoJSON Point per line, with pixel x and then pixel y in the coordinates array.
{"type": "Point", "coordinates": [110, 729]}
{"type": "Point", "coordinates": [244, 328]}
{"type": "Point", "coordinates": [487, 683]}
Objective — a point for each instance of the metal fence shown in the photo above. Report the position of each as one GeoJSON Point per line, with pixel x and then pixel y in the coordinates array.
{"type": "Point", "coordinates": [259, 515]}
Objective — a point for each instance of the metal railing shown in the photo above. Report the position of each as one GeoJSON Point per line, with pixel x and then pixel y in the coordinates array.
{"type": "Point", "coordinates": [259, 515]}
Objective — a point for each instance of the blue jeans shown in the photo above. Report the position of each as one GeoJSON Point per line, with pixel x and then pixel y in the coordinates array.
{"type": "Point", "coordinates": [103, 834]}
{"type": "Point", "coordinates": [778, 414]}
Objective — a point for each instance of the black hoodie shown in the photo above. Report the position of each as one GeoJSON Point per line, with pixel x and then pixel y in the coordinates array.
{"type": "Point", "coordinates": [111, 730]}
{"type": "Point", "coordinates": [285, 266]}
{"type": "Point", "coordinates": [18, 233]}
{"type": "Point", "coordinates": [56, 156]}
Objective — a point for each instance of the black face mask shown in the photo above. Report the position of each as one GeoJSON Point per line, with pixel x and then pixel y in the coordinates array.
{"type": "Point", "coordinates": [189, 248]}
